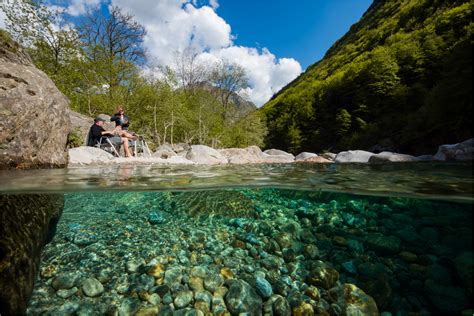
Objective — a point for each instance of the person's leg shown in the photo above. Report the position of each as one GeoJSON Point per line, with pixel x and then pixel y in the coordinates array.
{"type": "Point", "coordinates": [125, 147]}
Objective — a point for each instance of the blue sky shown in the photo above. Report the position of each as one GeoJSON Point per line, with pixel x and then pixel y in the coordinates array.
{"type": "Point", "coordinates": [273, 40]}
{"type": "Point", "coordinates": [301, 29]}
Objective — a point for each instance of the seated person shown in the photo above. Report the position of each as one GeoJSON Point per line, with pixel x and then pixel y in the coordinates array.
{"type": "Point", "coordinates": [117, 136]}
{"type": "Point", "coordinates": [120, 119]}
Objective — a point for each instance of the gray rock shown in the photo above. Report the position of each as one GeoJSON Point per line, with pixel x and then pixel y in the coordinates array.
{"type": "Point", "coordinates": [264, 288]}
{"type": "Point", "coordinates": [86, 155]}
{"type": "Point", "coordinates": [183, 299]}
{"type": "Point", "coordinates": [251, 154]}
{"type": "Point", "coordinates": [213, 281]}
{"type": "Point", "coordinates": [277, 152]}
{"type": "Point", "coordinates": [28, 222]}
{"type": "Point", "coordinates": [354, 156]}
{"type": "Point", "coordinates": [63, 293]}
{"type": "Point", "coordinates": [133, 265]}
{"type": "Point", "coordinates": [328, 155]}
{"type": "Point", "coordinates": [304, 155]}
{"type": "Point", "coordinates": [447, 299]}
{"type": "Point", "coordinates": [387, 156]}
{"type": "Point", "coordinates": [164, 154]}
{"type": "Point", "coordinates": [173, 276]}
{"type": "Point", "coordinates": [34, 115]}
{"type": "Point", "coordinates": [353, 301]}
{"type": "Point", "coordinates": [242, 298]}
{"type": "Point", "coordinates": [202, 154]}
{"type": "Point", "coordinates": [63, 281]}
{"type": "Point", "coordinates": [456, 152]}
{"type": "Point", "coordinates": [129, 306]}
{"type": "Point", "coordinates": [384, 244]}
{"type": "Point", "coordinates": [92, 287]}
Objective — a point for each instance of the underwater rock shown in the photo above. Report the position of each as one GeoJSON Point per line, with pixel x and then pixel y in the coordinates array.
{"type": "Point", "coordinates": [183, 299]}
{"type": "Point", "coordinates": [228, 203]}
{"type": "Point", "coordinates": [155, 218]}
{"type": "Point", "coordinates": [352, 300]}
{"type": "Point", "coordinates": [92, 287]}
{"type": "Point", "coordinates": [448, 299]}
{"type": "Point", "coordinates": [384, 244]}
{"type": "Point", "coordinates": [242, 298]}
{"type": "Point", "coordinates": [63, 281]}
{"type": "Point", "coordinates": [63, 293]}
{"type": "Point", "coordinates": [303, 308]}
{"type": "Point", "coordinates": [264, 288]}
{"type": "Point", "coordinates": [213, 281]}
{"type": "Point", "coordinates": [323, 276]}
{"type": "Point", "coordinates": [27, 222]}
{"type": "Point", "coordinates": [464, 264]}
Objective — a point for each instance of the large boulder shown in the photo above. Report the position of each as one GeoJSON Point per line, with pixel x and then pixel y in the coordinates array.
{"type": "Point", "coordinates": [352, 300]}
{"type": "Point", "coordinates": [34, 114]}
{"type": "Point", "coordinates": [304, 155]}
{"type": "Point", "coordinates": [80, 124]}
{"type": "Point", "coordinates": [202, 154]}
{"type": "Point", "coordinates": [86, 155]}
{"type": "Point", "coordinates": [27, 222]}
{"type": "Point", "coordinates": [387, 156]}
{"type": "Point", "coordinates": [278, 152]}
{"type": "Point", "coordinates": [251, 154]}
{"type": "Point", "coordinates": [456, 152]}
{"type": "Point", "coordinates": [353, 156]}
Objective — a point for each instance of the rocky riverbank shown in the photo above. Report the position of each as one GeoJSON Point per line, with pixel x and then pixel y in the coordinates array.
{"type": "Point", "coordinates": [201, 154]}
{"type": "Point", "coordinates": [256, 252]}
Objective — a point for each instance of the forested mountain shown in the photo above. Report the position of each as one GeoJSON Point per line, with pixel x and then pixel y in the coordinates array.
{"type": "Point", "coordinates": [399, 79]}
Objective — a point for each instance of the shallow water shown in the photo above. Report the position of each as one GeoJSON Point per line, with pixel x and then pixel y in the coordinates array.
{"type": "Point", "coordinates": [284, 240]}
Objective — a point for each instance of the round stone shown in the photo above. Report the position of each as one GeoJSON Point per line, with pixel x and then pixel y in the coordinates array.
{"type": "Point", "coordinates": [264, 288]}
{"type": "Point", "coordinates": [63, 282]}
{"type": "Point", "coordinates": [183, 299]}
{"type": "Point", "coordinates": [92, 287]}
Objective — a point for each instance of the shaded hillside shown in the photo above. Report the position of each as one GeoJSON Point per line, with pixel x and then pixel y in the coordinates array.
{"type": "Point", "coordinates": [399, 80]}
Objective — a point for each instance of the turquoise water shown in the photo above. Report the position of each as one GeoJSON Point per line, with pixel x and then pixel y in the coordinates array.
{"type": "Point", "coordinates": [268, 239]}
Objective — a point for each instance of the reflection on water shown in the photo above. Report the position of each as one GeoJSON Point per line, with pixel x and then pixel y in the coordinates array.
{"type": "Point", "coordinates": [437, 181]}
{"type": "Point", "coordinates": [256, 250]}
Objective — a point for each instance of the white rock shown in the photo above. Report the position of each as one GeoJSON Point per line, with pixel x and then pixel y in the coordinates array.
{"type": "Point", "coordinates": [278, 152]}
{"type": "Point", "coordinates": [202, 154]}
{"type": "Point", "coordinates": [251, 154]}
{"type": "Point", "coordinates": [86, 155]}
{"type": "Point", "coordinates": [276, 158]}
{"type": "Point", "coordinates": [387, 156]}
{"type": "Point", "coordinates": [305, 155]}
{"type": "Point", "coordinates": [354, 156]}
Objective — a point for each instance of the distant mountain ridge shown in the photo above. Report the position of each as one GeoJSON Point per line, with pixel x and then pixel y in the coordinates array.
{"type": "Point", "coordinates": [399, 79]}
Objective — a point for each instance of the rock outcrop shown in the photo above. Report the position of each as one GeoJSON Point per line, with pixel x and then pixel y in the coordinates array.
{"type": "Point", "coordinates": [34, 114]}
{"type": "Point", "coordinates": [205, 155]}
{"type": "Point", "coordinates": [456, 152]}
{"type": "Point", "coordinates": [251, 154]}
{"type": "Point", "coordinates": [27, 222]}
{"type": "Point", "coordinates": [387, 156]}
{"type": "Point", "coordinates": [361, 156]}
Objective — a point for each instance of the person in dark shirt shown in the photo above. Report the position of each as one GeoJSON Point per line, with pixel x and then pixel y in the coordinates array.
{"type": "Point", "coordinates": [117, 136]}
{"type": "Point", "coordinates": [121, 119]}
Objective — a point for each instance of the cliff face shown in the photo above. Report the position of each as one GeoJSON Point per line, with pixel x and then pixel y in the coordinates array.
{"type": "Point", "coordinates": [34, 124]}
{"type": "Point", "coordinates": [34, 120]}
{"type": "Point", "coordinates": [399, 79]}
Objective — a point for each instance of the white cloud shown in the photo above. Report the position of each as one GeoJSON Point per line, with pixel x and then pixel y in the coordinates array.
{"type": "Point", "coordinates": [214, 4]}
{"type": "Point", "coordinates": [174, 25]}
{"type": "Point", "coordinates": [79, 7]}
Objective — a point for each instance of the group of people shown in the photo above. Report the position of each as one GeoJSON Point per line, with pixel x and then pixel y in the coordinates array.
{"type": "Point", "coordinates": [118, 136]}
